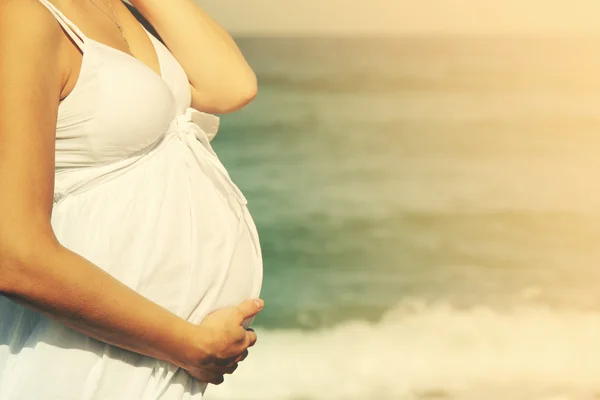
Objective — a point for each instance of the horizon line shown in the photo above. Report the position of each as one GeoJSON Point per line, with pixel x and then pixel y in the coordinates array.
{"type": "Point", "coordinates": [411, 34]}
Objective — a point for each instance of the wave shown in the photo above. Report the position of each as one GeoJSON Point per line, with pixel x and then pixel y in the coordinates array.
{"type": "Point", "coordinates": [366, 82]}
{"type": "Point", "coordinates": [427, 352]}
{"type": "Point", "coordinates": [386, 80]}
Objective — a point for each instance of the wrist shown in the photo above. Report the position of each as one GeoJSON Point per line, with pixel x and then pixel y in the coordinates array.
{"type": "Point", "coordinates": [193, 350]}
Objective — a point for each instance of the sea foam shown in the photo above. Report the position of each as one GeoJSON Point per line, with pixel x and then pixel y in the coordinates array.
{"type": "Point", "coordinates": [427, 352]}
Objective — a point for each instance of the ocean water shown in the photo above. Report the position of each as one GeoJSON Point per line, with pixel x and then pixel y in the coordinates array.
{"type": "Point", "coordinates": [429, 212]}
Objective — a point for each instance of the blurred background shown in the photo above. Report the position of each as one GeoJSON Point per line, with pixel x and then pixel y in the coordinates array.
{"type": "Point", "coordinates": [425, 178]}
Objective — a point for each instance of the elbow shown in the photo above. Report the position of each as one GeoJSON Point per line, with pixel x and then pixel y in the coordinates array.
{"type": "Point", "coordinates": [233, 97]}
{"type": "Point", "coordinates": [13, 260]}
{"type": "Point", "coordinates": [17, 259]}
{"type": "Point", "coordinates": [238, 99]}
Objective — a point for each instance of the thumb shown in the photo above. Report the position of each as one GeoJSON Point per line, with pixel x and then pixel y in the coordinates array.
{"type": "Point", "coordinates": [250, 308]}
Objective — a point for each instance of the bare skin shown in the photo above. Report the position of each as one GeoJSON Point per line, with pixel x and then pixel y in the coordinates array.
{"type": "Point", "coordinates": [38, 67]}
{"type": "Point", "coordinates": [221, 80]}
{"type": "Point", "coordinates": [99, 27]}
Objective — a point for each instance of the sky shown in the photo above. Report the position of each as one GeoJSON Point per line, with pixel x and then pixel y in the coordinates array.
{"type": "Point", "coordinates": [407, 16]}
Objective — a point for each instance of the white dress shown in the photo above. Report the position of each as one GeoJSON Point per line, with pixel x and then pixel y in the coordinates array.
{"type": "Point", "coordinates": [140, 192]}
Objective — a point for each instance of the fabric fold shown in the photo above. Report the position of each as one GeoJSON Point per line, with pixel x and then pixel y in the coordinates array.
{"type": "Point", "coordinates": [196, 129]}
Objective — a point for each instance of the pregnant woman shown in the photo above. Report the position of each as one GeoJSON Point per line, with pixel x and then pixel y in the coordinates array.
{"type": "Point", "coordinates": [130, 267]}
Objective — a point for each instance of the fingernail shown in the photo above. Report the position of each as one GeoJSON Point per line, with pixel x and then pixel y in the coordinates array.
{"type": "Point", "coordinates": [259, 303]}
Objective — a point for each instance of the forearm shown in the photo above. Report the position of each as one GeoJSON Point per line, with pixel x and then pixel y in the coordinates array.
{"type": "Point", "coordinates": [70, 289]}
{"type": "Point", "coordinates": [214, 64]}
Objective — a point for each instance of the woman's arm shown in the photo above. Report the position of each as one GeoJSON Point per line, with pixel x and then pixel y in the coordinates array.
{"type": "Point", "coordinates": [221, 80]}
{"type": "Point", "coordinates": [35, 270]}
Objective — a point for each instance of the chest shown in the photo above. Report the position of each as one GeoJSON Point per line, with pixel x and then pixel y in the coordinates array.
{"type": "Point", "coordinates": [118, 105]}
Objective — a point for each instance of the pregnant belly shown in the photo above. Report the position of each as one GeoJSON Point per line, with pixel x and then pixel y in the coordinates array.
{"type": "Point", "coordinates": [165, 231]}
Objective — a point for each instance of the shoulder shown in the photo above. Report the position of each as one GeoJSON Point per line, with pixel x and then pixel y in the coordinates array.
{"type": "Point", "coordinates": [30, 35]}
{"type": "Point", "coordinates": [31, 19]}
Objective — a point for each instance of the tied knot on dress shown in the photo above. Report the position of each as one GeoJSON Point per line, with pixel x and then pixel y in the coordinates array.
{"type": "Point", "coordinates": [196, 129]}
{"type": "Point", "coordinates": [207, 123]}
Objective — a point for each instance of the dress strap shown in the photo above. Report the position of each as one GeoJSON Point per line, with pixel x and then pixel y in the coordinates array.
{"type": "Point", "coordinates": [72, 30]}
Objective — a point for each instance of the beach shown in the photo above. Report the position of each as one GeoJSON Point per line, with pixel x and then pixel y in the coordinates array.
{"type": "Point", "coordinates": [429, 215]}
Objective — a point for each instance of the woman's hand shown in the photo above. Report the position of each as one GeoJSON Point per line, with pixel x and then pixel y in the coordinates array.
{"type": "Point", "coordinates": [222, 342]}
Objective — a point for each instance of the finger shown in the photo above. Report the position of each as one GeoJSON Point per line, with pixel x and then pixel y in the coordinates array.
{"type": "Point", "coordinates": [223, 362]}
{"type": "Point", "coordinates": [250, 338]}
{"type": "Point", "coordinates": [226, 370]}
{"type": "Point", "coordinates": [205, 375]}
{"type": "Point", "coordinates": [242, 356]}
{"type": "Point", "coordinates": [250, 308]}
{"type": "Point", "coordinates": [217, 379]}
